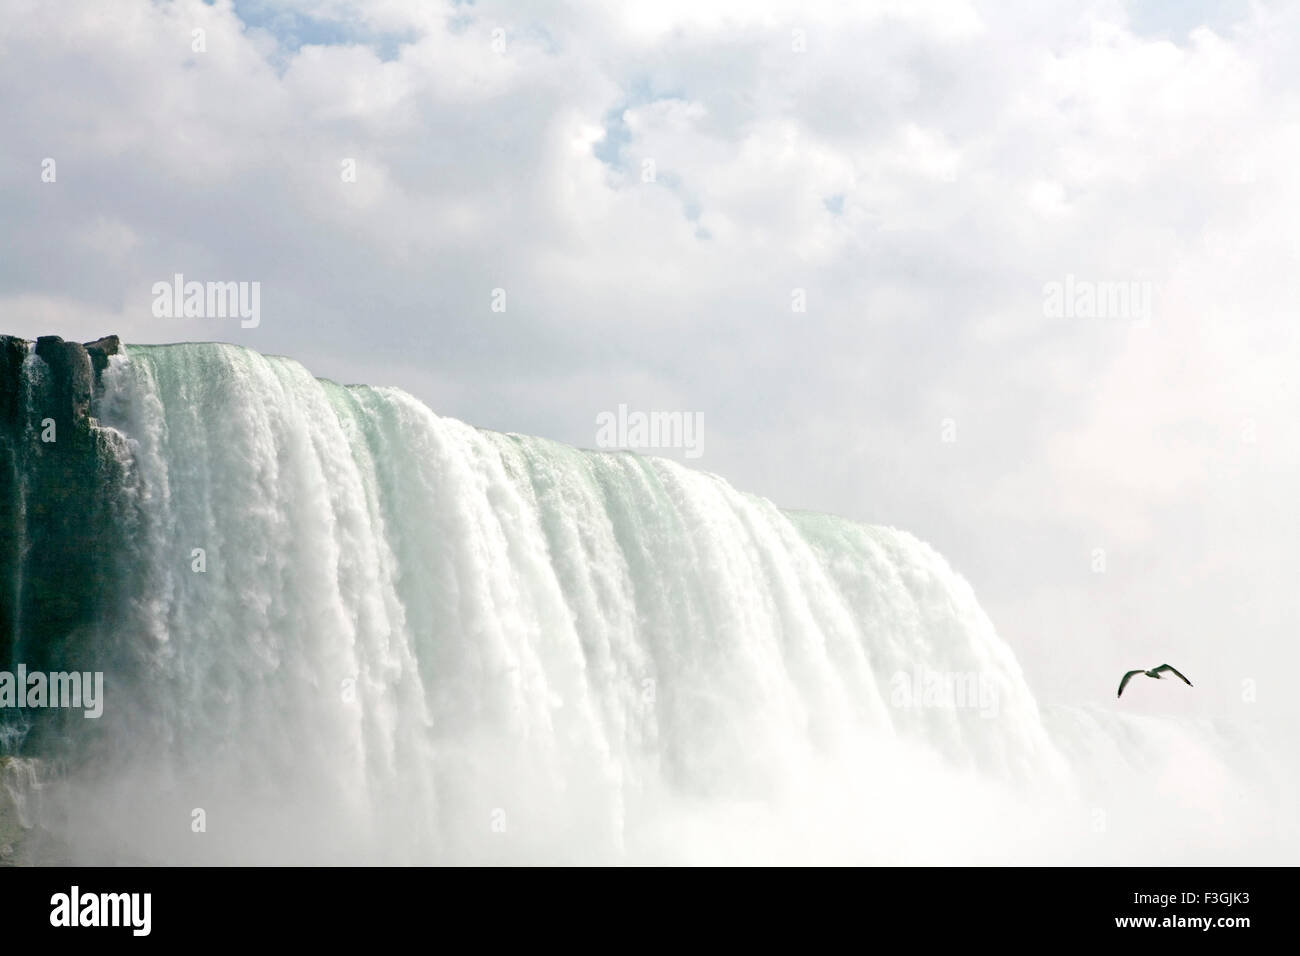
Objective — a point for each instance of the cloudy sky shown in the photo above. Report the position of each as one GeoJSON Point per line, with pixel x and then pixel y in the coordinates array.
{"type": "Point", "coordinates": [650, 183]}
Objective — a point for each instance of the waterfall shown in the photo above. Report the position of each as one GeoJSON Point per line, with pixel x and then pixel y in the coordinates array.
{"type": "Point", "coordinates": [344, 628]}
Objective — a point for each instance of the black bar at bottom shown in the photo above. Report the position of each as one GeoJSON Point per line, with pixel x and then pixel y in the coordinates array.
{"type": "Point", "coordinates": [613, 907]}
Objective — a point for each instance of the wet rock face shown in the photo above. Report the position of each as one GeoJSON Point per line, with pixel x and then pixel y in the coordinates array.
{"type": "Point", "coordinates": [74, 370]}
{"type": "Point", "coordinates": [21, 781]}
{"type": "Point", "coordinates": [59, 478]}
{"type": "Point", "coordinates": [12, 352]}
{"type": "Point", "coordinates": [99, 351]}
{"type": "Point", "coordinates": [73, 381]}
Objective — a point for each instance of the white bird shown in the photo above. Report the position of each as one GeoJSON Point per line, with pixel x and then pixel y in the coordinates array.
{"type": "Point", "coordinates": [1157, 673]}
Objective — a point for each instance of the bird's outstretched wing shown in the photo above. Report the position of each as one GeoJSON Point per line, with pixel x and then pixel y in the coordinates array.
{"type": "Point", "coordinates": [1166, 667]}
{"type": "Point", "coordinates": [1126, 679]}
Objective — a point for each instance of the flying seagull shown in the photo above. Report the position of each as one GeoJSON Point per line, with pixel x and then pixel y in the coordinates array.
{"type": "Point", "coordinates": [1157, 673]}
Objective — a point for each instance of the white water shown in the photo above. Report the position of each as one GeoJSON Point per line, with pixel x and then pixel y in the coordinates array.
{"type": "Point", "coordinates": [415, 641]}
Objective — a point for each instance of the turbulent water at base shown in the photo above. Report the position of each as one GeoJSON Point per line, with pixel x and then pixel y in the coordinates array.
{"type": "Point", "coordinates": [352, 630]}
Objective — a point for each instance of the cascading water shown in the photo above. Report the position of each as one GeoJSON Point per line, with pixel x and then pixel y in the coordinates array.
{"type": "Point", "coordinates": [344, 629]}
